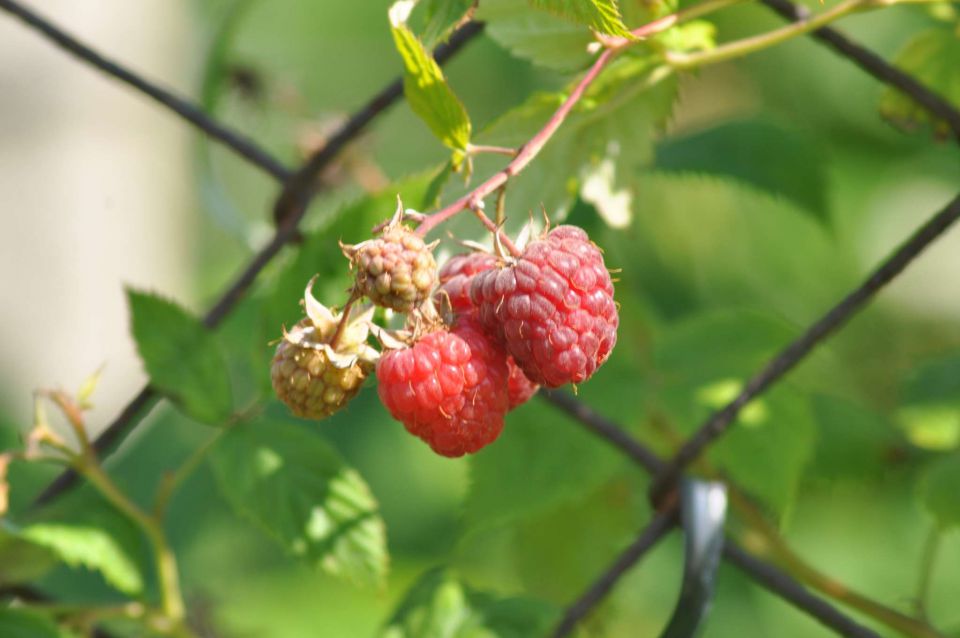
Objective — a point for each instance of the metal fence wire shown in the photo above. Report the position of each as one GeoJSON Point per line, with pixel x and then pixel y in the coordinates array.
{"type": "Point", "coordinates": [674, 505]}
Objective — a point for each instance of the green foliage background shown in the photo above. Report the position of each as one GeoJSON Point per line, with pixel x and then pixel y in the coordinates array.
{"type": "Point", "coordinates": [763, 191]}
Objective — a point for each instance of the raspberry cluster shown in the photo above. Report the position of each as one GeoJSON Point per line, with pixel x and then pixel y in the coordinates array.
{"type": "Point", "coordinates": [546, 317]}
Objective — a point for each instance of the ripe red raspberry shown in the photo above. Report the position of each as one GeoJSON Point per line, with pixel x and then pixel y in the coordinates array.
{"type": "Point", "coordinates": [554, 307]}
{"type": "Point", "coordinates": [519, 388]}
{"type": "Point", "coordinates": [457, 274]}
{"type": "Point", "coordinates": [449, 388]}
{"type": "Point", "coordinates": [395, 270]}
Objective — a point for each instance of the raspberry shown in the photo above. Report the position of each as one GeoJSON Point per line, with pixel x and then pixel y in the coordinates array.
{"type": "Point", "coordinates": [457, 274]}
{"type": "Point", "coordinates": [519, 388]}
{"type": "Point", "coordinates": [395, 270]}
{"type": "Point", "coordinates": [554, 307]}
{"type": "Point", "coordinates": [449, 388]}
{"type": "Point", "coordinates": [314, 378]}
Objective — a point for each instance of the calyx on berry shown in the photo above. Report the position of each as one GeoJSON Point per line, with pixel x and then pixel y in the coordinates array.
{"type": "Point", "coordinates": [319, 366]}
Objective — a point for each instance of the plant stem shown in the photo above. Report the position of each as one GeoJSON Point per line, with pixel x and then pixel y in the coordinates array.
{"type": "Point", "coordinates": [746, 46]}
{"type": "Point", "coordinates": [174, 479]}
{"type": "Point", "coordinates": [927, 563]}
{"type": "Point", "coordinates": [532, 148]}
{"type": "Point", "coordinates": [171, 599]}
{"type": "Point", "coordinates": [476, 149]}
{"type": "Point", "coordinates": [774, 544]}
{"type": "Point", "coordinates": [526, 155]}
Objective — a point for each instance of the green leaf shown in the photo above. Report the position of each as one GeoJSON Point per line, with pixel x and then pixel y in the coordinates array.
{"type": "Point", "coordinates": [298, 489]}
{"type": "Point", "coordinates": [23, 623]}
{"type": "Point", "coordinates": [939, 490]}
{"type": "Point", "coordinates": [429, 95]}
{"type": "Point", "coordinates": [696, 35]}
{"type": "Point", "coordinates": [181, 356]}
{"type": "Point", "coordinates": [21, 560]}
{"type": "Point", "coordinates": [702, 364]}
{"type": "Point", "coordinates": [442, 18]}
{"type": "Point", "coordinates": [600, 15]}
{"type": "Point", "coordinates": [439, 605]}
{"type": "Point", "coordinates": [759, 152]}
{"type": "Point", "coordinates": [89, 547]}
{"type": "Point", "coordinates": [541, 38]}
{"type": "Point", "coordinates": [930, 403]}
{"type": "Point", "coordinates": [540, 460]}
{"type": "Point", "coordinates": [853, 442]}
{"type": "Point", "coordinates": [769, 448]}
{"type": "Point", "coordinates": [719, 344]}
{"type": "Point", "coordinates": [931, 57]}
{"type": "Point", "coordinates": [558, 553]}
{"type": "Point", "coordinates": [701, 241]}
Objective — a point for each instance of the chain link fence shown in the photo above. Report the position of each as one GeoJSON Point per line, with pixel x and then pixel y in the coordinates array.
{"type": "Point", "coordinates": [298, 187]}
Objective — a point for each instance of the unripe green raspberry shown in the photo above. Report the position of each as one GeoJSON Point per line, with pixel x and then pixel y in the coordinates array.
{"type": "Point", "coordinates": [396, 270]}
{"type": "Point", "coordinates": [314, 377]}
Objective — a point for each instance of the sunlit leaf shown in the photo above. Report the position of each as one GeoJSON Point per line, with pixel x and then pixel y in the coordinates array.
{"type": "Point", "coordinates": [89, 547]}
{"type": "Point", "coordinates": [428, 93]}
{"type": "Point", "coordinates": [440, 605]}
{"type": "Point", "coordinates": [181, 356]}
{"type": "Point", "coordinates": [930, 403]}
{"type": "Point", "coordinates": [442, 18]}
{"type": "Point", "coordinates": [297, 488]}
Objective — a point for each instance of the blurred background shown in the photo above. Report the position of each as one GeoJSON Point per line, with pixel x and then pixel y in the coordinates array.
{"type": "Point", "coordinates": [101, 189]}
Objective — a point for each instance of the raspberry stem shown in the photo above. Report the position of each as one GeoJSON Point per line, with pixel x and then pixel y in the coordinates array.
{"type": "Point", "coordinates": [532, 148]}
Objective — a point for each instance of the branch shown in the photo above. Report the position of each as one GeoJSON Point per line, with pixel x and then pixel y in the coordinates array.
{"type": "Point", "coordinates": [796, 351]}
{"type": "Point", "coordinates": [783, 584]}
{"type": "Point", "coordinates": [290, 207]}
{"type": "Point", "coordinates": [752, 44]}
{"type": "Point", "coordinates": [874, 65]}
{"type": "Point", "coordinates": [238, 142]}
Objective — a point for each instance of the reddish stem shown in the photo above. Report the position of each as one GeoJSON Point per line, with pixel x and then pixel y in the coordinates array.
{"type": "Point", "coordinates": [531, 149]}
